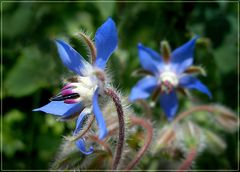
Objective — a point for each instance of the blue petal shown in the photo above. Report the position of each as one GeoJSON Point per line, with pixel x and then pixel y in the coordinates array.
{"type": "Point", "coordinates": [155, 55]}
{"type": "Point", "coordinates": [148, 59]}
{"type": "Point", "coordinates": [169, 103]}
{"type": "Point", "coordinates": [71, 58]}
{"type": "Point", "coordinates": [80, 143]}
{"type": "Point", "coordinates": [99, 116]}
{"type": "Point", "coordinates": [79, 122]}
{"type": "Point", "coordinates": [191, 82]}
{"type": "Point", "coordinates": [143, 88]}
{"type": "Point", "coordinates": [106, 42]}
{"type": "Point", "coordinates": [59, 108]}
{"type": "Point", "coordinates": [182, 57]}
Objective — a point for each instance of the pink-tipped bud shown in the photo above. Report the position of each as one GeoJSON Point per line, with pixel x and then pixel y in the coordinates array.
{"type": "Point", "coordinates": [75, 92]}
{"type": "Point", "coordinates": [69, 85]}
{"type": "Point", "coordinates": [71, 101]}
{"type": "Point", "coordinates": [67, 92]}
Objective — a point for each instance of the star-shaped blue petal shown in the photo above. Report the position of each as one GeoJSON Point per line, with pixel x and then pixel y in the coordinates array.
{"type": "Point", "coordinates": [182, 57]}
{"type": "Point", "coordinates": [168, 75]}
{"type": "Point", "coordinates": [71, 58]}
{"type": "Point", "coordinates": [105, 42]}
{"type": "Point", "coordinates": [143, 88]}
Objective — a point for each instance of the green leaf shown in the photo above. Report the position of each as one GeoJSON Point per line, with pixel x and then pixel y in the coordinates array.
{"type": "Point", "coordinates": [32, 71]}
{"type": "Point", "coordinates": [84, 22]}
{"type": "Point", "coordinates": [10, 139]}
{"type": "Point", "coordinates": [226, 56]}
{"type": "Point", "coordinates": [18, 21]}
{"type": "Point", "coordinates": [106, 8]}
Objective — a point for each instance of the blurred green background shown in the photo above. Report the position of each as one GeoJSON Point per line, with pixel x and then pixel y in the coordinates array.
{"type": "Point", "coordinates": [32, 70]}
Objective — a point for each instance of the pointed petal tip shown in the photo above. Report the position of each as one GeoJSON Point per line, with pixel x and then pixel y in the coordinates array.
{"type": "Point", "coordinates": [209, 94]}
{"type": "Point", "coordinates": [79, 123]}
{"type": "Point", "coordinates": [57, 44]}
{"type": "Point", "coordinates": [191, 82]}
{"type": "Point", "coordinates": [130, 99]}
{"type": "Point", "coordinates": [58, 41]}
{"type": "Point", "coordinates": [35, 110]}
{"type": "Point", "coordinates": [139, 44]}
{"type": "Point", "coordinates": [106, 40]}
{"type": "Point", "coordinates": [196, 37]}
{"type": "Point", "coordinates": [59, 108]}
{"type": "Point", "coordinates": [82, 147]}
{"type": "Point", "coordinates": [109, 19]}
{"type": "Point", "coordinates": [170, 118]}
{"type": "Point", "coordinates": [169, 104]}
{"type": "Point", "coordinates": [133, 97]}
{"type": "Point", "coordinates": [143, 89]}
{"type": "Point", "coordinates": [170, 115]}
{"type": "Point", "coordinates": [103, 134]}
{"type": "Point", "coordinates": [183, 56]}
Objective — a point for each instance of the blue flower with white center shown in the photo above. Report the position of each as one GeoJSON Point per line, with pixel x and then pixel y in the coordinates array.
{"type": "Point", "coordinates": [167, 73]}
{"type": "Point", "coordinates": [80, 97]}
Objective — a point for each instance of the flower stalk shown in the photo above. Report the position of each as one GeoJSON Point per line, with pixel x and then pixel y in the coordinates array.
{"type": "Point", "coordinates": [121, 134]}
{"type": "Point", "coordinates": [145, 124]}
{"type": "Point", "coordinates": [224, 116]}
{"type": "Point", "coordinates": [182, 115]}
{"type": "Point", "coordinates": [188, 161]}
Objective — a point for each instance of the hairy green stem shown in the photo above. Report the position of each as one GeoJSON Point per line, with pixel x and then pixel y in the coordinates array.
{"type": "Point", "coordinates": [188, 161]}
{"type": "Point", "coordinates": [182, 115]}
{"type": "Point", "coordinates": [121, 134]}
{"type": "Point", "coordinates": [148, 139]}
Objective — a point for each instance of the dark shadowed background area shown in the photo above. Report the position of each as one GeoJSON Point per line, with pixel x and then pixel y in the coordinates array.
{"type": "Point", "coordinates": [32, 71]}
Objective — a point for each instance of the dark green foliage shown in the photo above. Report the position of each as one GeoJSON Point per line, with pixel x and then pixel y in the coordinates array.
{"type": "Point", "coordinates": [32, 71]}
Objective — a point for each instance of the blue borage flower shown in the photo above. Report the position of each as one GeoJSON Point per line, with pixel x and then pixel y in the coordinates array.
{"type": "Point", "coordinates": [81, 97]}
{"type": "Point", "coordinates": [168, 74]}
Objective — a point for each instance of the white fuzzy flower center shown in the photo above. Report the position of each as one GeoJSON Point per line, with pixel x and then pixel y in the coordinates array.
{"type": "Point", "coordinates": [169, 77]}
{"type": "Point", "coordinates": [82, 89]}
{"type": "Point", "coordinates": [85, 88]}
